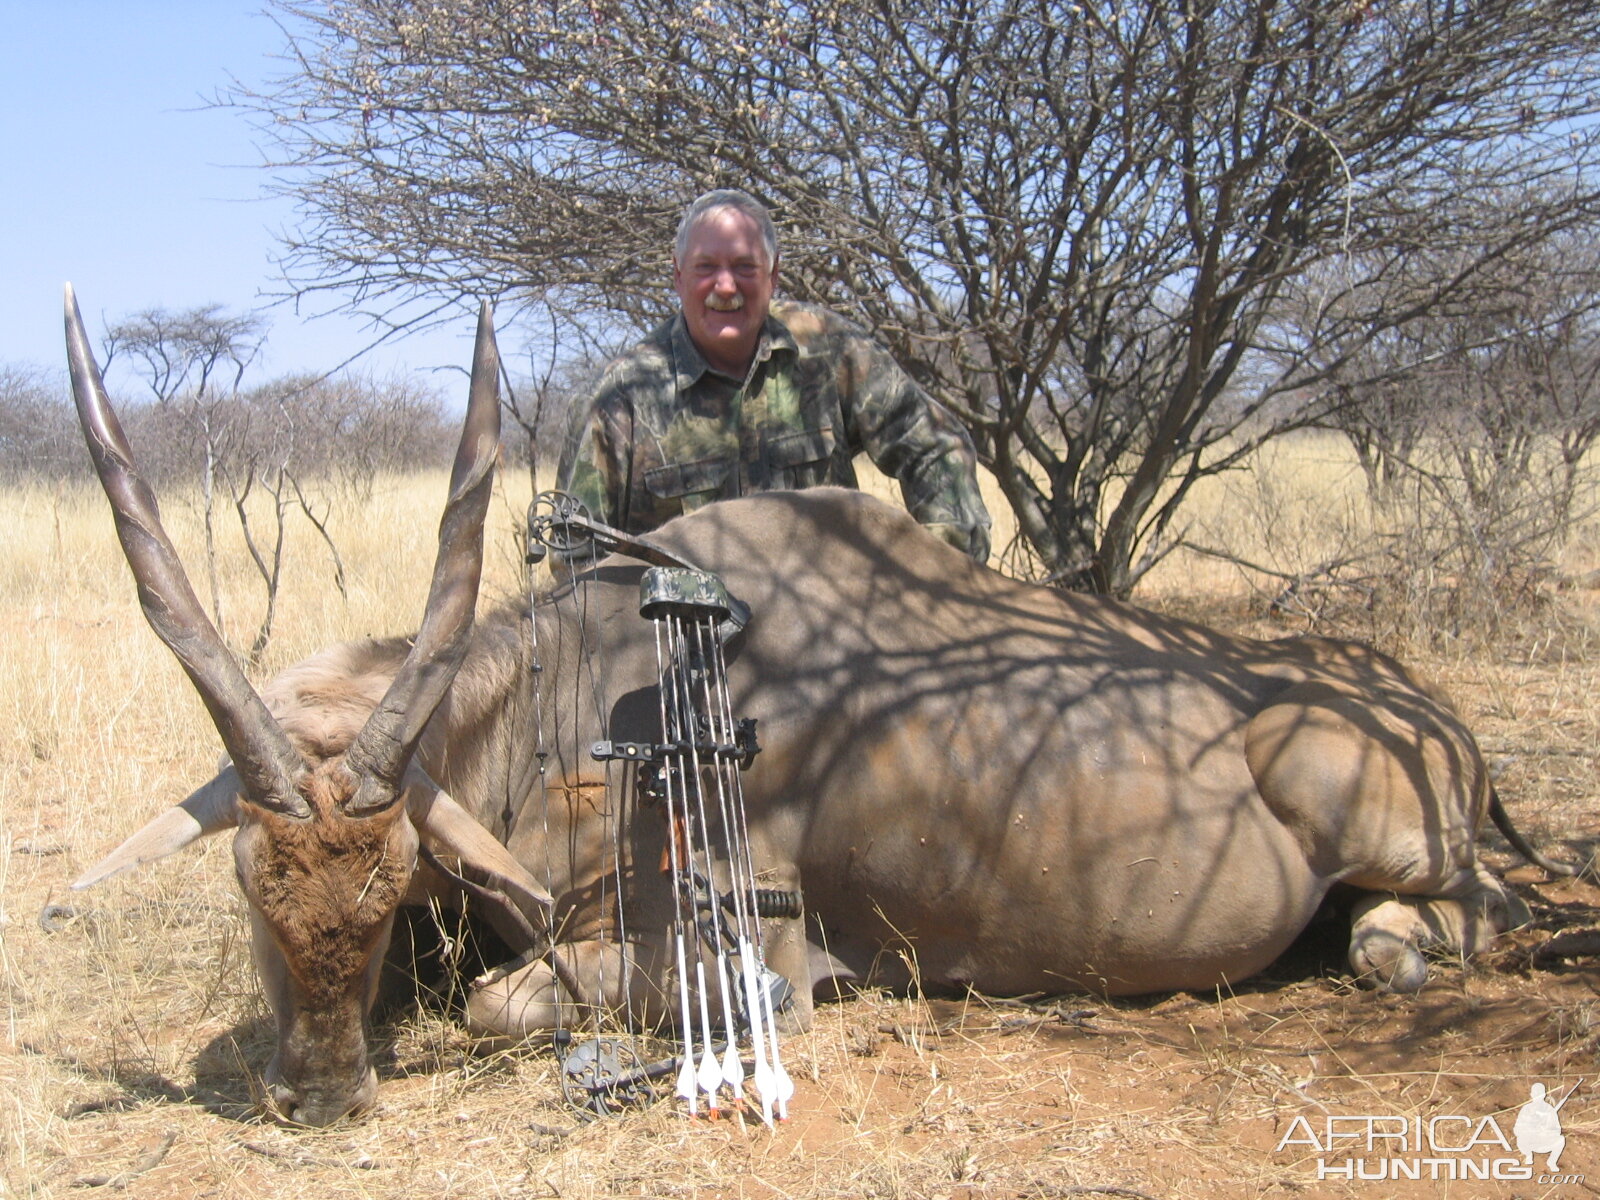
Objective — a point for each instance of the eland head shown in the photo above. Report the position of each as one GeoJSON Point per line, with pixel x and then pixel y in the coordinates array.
{"type": "Point", "coordinates": [325, 844]}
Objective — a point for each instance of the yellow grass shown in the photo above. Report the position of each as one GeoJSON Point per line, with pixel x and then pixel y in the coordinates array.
{"type": "Point", "coordinates": [146, 1002]}
{"type": "Point", "coordinates": [1291, 507]}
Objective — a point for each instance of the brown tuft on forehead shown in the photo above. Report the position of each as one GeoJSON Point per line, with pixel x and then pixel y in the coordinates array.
{"type": "Point", "coordinates": [326, 886]}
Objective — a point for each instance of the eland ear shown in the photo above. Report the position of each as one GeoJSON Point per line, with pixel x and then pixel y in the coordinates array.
{"type": "Point", "coordinates": [448, 828]}
{"type": "Point", "coordinates": [210, 808]}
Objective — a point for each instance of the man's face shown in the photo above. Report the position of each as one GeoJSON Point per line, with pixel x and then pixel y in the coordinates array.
{"type": "Point", "coordinates": [725, 283]}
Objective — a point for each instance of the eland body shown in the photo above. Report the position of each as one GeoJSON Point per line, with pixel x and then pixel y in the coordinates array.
{"type": "Point", "coordinates": [971, 781]}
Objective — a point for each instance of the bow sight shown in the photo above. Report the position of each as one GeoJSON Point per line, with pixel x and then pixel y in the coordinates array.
{"type": "Point", "coordinates": [692, 775]}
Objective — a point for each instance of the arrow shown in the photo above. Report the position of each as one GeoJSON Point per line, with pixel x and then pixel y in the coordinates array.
{"type": "Point", "coordinates": [710, 1073]}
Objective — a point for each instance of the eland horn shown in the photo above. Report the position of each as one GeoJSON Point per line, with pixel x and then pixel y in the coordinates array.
{"type": "Point", "coordinates": [381, 751]}
{"type": "Point", "coordinates": [267, 763]}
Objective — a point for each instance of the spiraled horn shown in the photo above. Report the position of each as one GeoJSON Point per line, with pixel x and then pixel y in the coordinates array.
{"type": "Point", "coordinates": [266, 762]}
{"type": "Point", "coordinates": [384, 746]}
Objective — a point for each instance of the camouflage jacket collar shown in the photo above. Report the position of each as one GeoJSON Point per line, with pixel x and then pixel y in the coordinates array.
{"type": "Point", "coordinates": [689, 365]}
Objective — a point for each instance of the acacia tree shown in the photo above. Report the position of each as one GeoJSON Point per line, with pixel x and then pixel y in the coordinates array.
{"type": "Point", "coordinates": [1473, 427]}
{"type": "Point", "coordinates": [39, 438]}
{"type": "Point", "coordinates": [1510, 376]}
{"type": "Point", "coordinates": [303, 444]}
{"type": "Point", "coordinates": [193, 362]}
{"type": "Point", "coordinates": [1075, 224]}
{"type": "Point", "coordinates": [254, 448]}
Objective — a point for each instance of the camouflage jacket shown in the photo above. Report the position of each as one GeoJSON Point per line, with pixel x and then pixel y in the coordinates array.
{"type": "Point", "coordinates": [664, 434]}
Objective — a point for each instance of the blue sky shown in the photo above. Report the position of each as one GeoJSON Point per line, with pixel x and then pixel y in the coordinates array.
{"type": "Point", "coordinates": [117, 178]}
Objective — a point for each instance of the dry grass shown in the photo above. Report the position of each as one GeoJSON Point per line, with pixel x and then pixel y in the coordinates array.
{"type": "Point", "coordinates": [133, 1037]}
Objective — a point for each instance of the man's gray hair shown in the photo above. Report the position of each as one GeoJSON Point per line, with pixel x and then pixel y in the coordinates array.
{"type": "Point", "coordinates": [721, 198]}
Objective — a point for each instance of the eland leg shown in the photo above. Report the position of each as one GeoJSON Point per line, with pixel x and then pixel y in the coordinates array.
{"type": "Point", "coordinates": [1384, 790]}
{"type": "Point", "coordinates": [1389, 933]}
{"type": "Point", "coordinates": [532, 996]}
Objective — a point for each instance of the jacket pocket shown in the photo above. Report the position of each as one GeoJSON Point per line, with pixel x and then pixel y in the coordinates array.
{"type": "Point", "coordinates": [676, 480]}
{"type": "Point", "coordinates": [800, 459]}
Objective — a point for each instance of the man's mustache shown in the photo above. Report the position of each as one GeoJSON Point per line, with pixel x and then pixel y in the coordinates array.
{"type": "Point", "coordinates": [731, 303]}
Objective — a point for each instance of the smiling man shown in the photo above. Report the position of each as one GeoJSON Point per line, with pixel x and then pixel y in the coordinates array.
{"type": "Point", "coordinates": [739, 393]}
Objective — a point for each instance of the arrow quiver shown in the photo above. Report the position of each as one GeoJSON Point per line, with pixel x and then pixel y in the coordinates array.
{"type": "Point", "coordinates": [727, 998]}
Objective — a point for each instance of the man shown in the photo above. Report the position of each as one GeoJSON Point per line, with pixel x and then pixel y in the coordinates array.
{"type": "Point", "coordinates": [1538, 1127]}
{"type": "Point", "coordinates": [739, 394]}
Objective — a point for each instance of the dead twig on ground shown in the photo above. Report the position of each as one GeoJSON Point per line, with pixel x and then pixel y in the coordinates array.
{"type": "Point", "coordinates": [121, 1179]}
